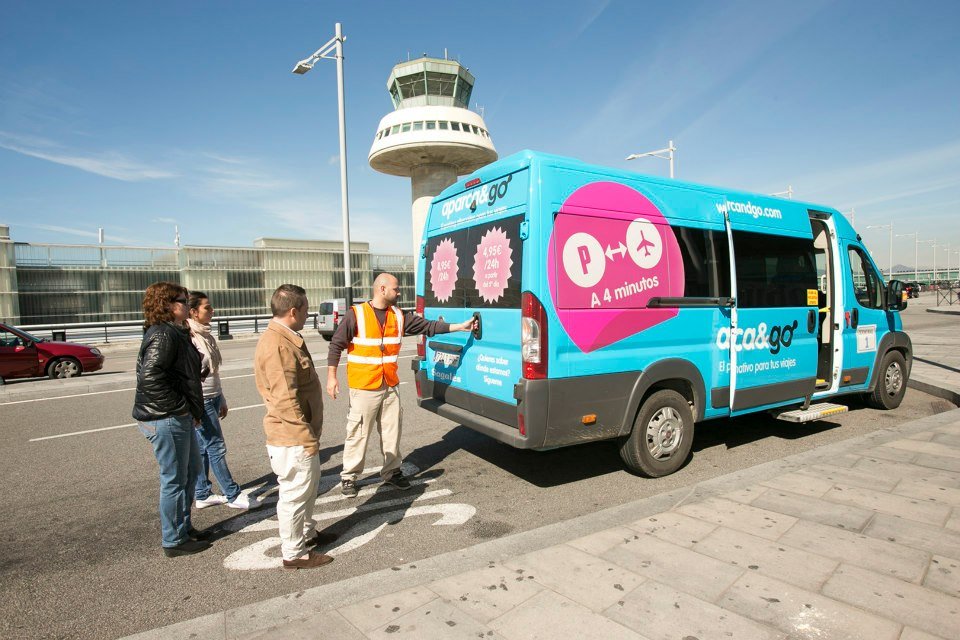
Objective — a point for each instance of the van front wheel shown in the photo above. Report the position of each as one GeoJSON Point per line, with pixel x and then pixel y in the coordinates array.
{"type": "Point", "coordinates": [662, 435]}
{"type": "Point", "coordinates": [892, 383]}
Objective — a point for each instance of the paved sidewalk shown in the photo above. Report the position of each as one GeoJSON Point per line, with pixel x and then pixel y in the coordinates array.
{"type": "Point", "coordinates": [859, 539]}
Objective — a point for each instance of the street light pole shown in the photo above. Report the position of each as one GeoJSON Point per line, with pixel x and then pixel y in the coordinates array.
{"type": "Point", "coordinates": [890, 227]}
{"type": "Point", "coordinates": [658, 154]}
{"type": "Point", "coordinates": [788, 193]}
{"type": "Point", "coordinates": [335, 45]}
{"type": "Point", "coordinates": [916, 252]}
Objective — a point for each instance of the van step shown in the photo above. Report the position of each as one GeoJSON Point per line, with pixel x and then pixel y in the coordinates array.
{"type": "Point", "coordinates": [815, 412]}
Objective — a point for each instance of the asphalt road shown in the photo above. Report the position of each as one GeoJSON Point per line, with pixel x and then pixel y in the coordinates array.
{"type": "Point", "coordinates": [80, 544]}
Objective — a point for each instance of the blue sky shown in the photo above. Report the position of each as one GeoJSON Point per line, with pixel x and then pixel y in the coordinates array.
{"type": "Point", "coordinates": [135, 116]}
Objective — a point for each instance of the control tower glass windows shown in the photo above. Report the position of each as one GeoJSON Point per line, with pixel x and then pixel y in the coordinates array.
{"type": "Point", "coordinates": [455, 126]}
{"type": "Point", "coordinates": [444, 124]}
{"type": "Point", "coordinates": [441, 84]}
{"type": "Point", "coordinates": [418, 126]}
{"type": "Point", "coordinates": [431, 124]}
{"type": "Point", "coordinates": [412, 86]}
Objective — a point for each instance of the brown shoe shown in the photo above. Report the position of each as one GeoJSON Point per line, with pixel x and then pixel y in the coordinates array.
{"type": "Point", "coordinates": [321, 537]}
{"type": "Point", "coordinates": [310, 561]}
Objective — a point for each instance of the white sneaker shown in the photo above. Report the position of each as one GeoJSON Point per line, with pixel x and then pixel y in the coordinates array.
{"type": "Point", "coordinates": [212, 500]}
{"type": "Point", "coordinates": [244, 502]}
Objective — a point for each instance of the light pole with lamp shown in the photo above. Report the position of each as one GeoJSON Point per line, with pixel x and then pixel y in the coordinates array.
{"type": "Point", "coordinates": [335, 46]}
{"type": "Point", "coordinates": [935, 245]}
{"type": "Point", "coordinates": [890, 227]}
{"type": "Point", "coordinates": [658, 154]}
{"type": "Point", "coordinates": [916, 252]}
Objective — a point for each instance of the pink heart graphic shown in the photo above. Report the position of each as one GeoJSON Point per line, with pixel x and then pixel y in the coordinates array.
{"type": "Point", "coordinates": [611, 250]}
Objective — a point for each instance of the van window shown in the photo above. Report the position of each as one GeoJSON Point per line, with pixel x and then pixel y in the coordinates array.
{"type": "Point", "coordinates": [326, 308]}
{"type": "Point", "coordinates": [706, 262]}
{"type": "Point", "coordinates": [867, 285]}
{"type": "Point", "coordinates": [477, 267]}
{"type": "Point", "coordinates": [773, 271]}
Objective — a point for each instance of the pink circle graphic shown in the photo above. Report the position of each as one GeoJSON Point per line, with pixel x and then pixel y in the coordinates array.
{"type": "Point", "coordinates": [443, 270]}
{"type": "Point", "coordinates": [491, 264]}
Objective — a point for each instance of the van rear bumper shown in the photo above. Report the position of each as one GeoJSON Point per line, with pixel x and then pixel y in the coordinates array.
{"type": "Point", "coordinates": [498, 420]}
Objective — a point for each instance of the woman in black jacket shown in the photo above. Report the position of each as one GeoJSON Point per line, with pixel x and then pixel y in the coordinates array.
{"type": "Point", "coordinates": [167, 407]}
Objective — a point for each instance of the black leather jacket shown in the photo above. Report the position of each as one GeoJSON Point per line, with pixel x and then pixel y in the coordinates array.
{"type": "Point", "coordinates": [168, 375]}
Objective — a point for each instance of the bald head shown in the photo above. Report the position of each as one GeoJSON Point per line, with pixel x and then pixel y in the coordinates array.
{"type": "Point", "coordinates": [386, 290]}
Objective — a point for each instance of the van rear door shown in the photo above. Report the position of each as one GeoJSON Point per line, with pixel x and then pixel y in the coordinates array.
{"type": "Point", "coordinates": [467, 271]}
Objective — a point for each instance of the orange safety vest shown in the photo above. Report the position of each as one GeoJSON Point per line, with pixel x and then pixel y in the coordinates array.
{"type": "Point", "coordinates": [373, 352]}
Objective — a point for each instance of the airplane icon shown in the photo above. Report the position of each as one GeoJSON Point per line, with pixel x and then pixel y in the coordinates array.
{"type": "Point", "coordinates": [645, 245]}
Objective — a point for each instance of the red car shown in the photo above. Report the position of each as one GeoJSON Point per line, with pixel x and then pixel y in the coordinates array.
{"type": "Point", "coordinates": [25, 356]}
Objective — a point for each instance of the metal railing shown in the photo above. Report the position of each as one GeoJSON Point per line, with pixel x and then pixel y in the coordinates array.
{"type": "Point", "coordinates": [116, 331]}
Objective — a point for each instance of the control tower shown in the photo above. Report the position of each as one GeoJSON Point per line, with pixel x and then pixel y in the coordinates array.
{"type": "Point", "coordinates": [431, 137]}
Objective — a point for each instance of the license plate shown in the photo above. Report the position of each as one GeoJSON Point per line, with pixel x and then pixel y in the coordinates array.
{"type": "Point", "coordinates": [446, 359]}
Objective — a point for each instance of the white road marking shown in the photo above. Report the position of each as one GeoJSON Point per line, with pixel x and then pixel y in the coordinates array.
{"type": "Point", "coordinates": [119, 426]}
{"type": "Point", "coordinates": [98, 393]}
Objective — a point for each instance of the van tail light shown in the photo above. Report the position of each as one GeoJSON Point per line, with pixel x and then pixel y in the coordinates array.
{"type": "Point", "coordinates": [533, 337]}
{"type": "Point", "coordinates": [336, 318]}
{"type": "Point", "coordinates": [421, 339]}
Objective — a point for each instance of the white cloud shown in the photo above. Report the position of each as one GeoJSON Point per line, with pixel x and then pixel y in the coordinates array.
{"type": "Point", "coordinates": [110, 164]}
{"type": "Point", "coordinates": [74, 231]}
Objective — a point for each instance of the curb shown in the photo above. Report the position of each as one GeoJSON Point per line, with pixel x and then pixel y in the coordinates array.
{"type": "Point", "coordinates": [949, 312]}
{"type": "Point", "coordinates": [293, 607]}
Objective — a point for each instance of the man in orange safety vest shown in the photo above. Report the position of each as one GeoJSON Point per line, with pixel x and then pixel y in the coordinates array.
{"type": "Point", "coordinates": [371, 333]}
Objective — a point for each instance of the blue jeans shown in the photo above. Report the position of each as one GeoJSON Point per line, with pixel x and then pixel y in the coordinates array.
{"type": "Point", "coordinates": [178, 455]}
{"type": "Point", "coordinates": [213, 453]}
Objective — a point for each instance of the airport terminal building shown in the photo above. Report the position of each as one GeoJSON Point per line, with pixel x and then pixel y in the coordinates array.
{"type": "Point", "coordinates": [61, 283]}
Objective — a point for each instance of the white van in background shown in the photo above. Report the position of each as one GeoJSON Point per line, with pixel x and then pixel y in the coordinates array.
{"type": "Point", "coordinates": [330, 314]}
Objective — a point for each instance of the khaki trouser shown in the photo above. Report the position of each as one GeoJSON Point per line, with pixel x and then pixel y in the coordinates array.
{"type": "Point", "coordinates": [298, 474]}
{"type": "Point", "coordinates": [380, 407]}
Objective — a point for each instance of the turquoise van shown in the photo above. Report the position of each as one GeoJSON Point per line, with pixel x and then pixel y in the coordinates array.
{"type": "Point", "coordinates": [613, 305]}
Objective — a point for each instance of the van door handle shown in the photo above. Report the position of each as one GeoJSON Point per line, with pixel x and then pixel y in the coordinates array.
{"type": "Point", "coordinates": [854, 318]}
{"type": "Point", "coordinates": [811, 321]}
{"type": "Point", "coordinates": [478, 330]}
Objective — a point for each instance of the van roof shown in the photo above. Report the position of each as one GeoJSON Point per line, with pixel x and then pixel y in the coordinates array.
{"type": "Point", "coordinates": [792, 210]}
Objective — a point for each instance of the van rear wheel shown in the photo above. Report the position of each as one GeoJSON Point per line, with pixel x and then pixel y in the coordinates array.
{"type": "Point", "coordinates": [892, 384]}
{"type": "Point", "coordinates": [662, 435]}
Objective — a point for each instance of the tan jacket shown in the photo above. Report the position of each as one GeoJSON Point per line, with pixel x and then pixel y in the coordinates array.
{"type": "Point", "coordinates": [288, 383]}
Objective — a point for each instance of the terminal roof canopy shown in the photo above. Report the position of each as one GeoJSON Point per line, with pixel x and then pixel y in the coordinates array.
{"type": "Point", "coordinates": [430, 81]}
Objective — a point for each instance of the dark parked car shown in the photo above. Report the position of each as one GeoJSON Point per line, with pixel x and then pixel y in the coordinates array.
{"type": "Point", "coordinates": [25, 356]}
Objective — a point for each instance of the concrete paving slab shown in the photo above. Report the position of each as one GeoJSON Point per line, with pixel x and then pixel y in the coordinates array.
{"type": "Point", "coordinates": [950, 439]}
{"type": "Point", "coordinates": [887, 453]}
{"type": "Point", "coordinates": [437, 620]}
{"type": "Point", "coordinates": [906, 603]}
{"type": "Point", "coordinates": [674, 528]}
{"type": "Point", "coordinates": [879, 555]}
{"type": "Point", "coordinates": [923, 436]}
{"type": "Point", "coordinates": [744, 496]}
{"type": "Point", "coordinates": [663, 613]}
{"type": "Point", "coordinates": [907, 471]}
{"type": "Point", "coordinates": [804, 614]}
{"type": "Point", "coordinates": [795, 566]}
{"type": "Point", "coordinates": [944, 463]}
{"type": "Point", "coordinates": [210, 627]}
{"type": "Point", "coordinates": [929, 492]}
{"type": "Point", "coordinates": [326, 624]}
{"type": "Point", "coordinates": [487, 594]}
{"type": "Point", "coordinates": [746, 518]}
{"type": "Point", "coordinates": [930, 538]}
{"type": "Point", "coordinates": [909, 633]}
{"type": "Point", "coordinates": [928, 448]}
{"type": "Point", "coordinates": [377, 612]}
{"type": "Point", "coordinates": [944, 575]}
{"type": "Point", "coordinates": [953, 524]}
{"type": "Point", "coordinates": [548, 616]}
{"type": "Point", "coordinates": [675, 566]}
{"type": "Point", "coordinates": [849, 477]}
{"type": "Point", "coordinates": [846, 461]}
{"type": "Point", "coordinates": [883, 502]}
{"type": "Point", "coordinates": [602, 541]}
{"type": "Point", "coordinates": [814, 510]}
{"type": "Point", "coordinates": [800, 483]}
{"type": "Point", "coordinates": [584, 578]}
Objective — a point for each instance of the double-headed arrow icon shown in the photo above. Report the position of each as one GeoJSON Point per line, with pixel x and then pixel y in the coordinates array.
{"type": "Point", "coordinates": [619, 250]}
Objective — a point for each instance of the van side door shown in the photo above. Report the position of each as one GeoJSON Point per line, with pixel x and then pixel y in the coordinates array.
{"type": "Point", "coordinates": [864, 319]}
{"type": "Point", "coordinates": [774, 343]}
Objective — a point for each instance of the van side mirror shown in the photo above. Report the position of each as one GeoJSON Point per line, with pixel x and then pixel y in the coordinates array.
{"type": "Point", "coordinates": [896, 295]}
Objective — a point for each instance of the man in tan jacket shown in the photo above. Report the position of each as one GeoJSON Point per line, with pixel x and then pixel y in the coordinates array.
{"type": "Point", "coordinates": [288, 383]}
